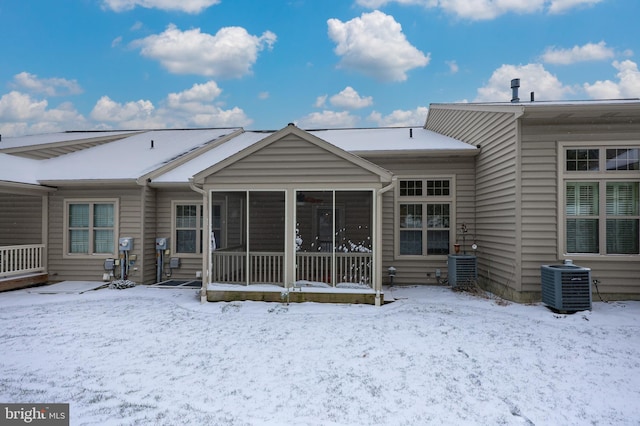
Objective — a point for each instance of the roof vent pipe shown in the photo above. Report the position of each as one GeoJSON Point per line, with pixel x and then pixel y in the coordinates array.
{"type": "Point", "coordinates": [151, 143]}
{"type": "Point", "coordinates": [410, 133]}
{"type": "Point", "coordinates": [533, 97]}
{"type": "Point", "coordinates": [515, 85]}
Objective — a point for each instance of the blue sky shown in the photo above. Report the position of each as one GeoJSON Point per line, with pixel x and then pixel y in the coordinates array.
{"type": "Point", "coordinates": [122, 64]}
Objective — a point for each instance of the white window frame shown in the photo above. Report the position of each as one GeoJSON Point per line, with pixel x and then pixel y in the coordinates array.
{"type": "Point", "coordinates": [91, 202]}
{"type": "Point", "coordinates": [601, 177]}
{"type": "Point", "coordinates": [174, 228]}
{"type": "Point", "coordinates": [425, 200]}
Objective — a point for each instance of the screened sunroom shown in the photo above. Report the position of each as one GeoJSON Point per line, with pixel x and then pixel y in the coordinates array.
{"type": "Point", "coordinates": [332, 237]}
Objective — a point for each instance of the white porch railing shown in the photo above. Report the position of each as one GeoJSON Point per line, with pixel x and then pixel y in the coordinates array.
{"type": "Point", "coordinates": [265, 267]}
{"type": "Point", "coordinates": [19, 260]}
{"type": "Point", "coordinates": [350, 267]}
{"type": "Point", "coordinates": [268, 267]}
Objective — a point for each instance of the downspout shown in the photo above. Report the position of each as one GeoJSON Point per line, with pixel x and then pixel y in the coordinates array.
{"type": "Point", "coordinates": [378, 251]}
{"type": "Point", "coordinates": [206, 247]}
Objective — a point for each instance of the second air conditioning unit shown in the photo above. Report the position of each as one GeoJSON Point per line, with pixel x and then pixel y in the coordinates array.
{"type": "Point", "coordinates": [463, 270]}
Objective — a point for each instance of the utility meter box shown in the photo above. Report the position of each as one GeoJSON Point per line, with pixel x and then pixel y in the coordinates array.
{"type": "Point", "coordinates": [162, 243]}
{"type": "Point", "coordinates": [109, 264]}
{"type": "Point", "coordinates": [125, 243]}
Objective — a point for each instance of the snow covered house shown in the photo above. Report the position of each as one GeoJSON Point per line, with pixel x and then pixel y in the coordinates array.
{"type": "Point", "coordinates": [332, 215]}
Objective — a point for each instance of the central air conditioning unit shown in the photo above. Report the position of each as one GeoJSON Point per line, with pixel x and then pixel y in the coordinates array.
{"type": "Point", "coordinates": [463, 270]}
{"type": "Point", "coordinates": [566, 288]}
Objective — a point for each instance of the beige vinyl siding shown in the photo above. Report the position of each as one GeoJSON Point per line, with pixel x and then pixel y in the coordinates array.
{"type": "Point", "coordinates": [84, 268]}
{"type": "Point", "coordinates": [20, 219]}
{"type": "Point", "coordinates": [496, 188]}
{"type": "Point", "coordinates": [422, 271]}
{"type": "Point", "coordinates": [189, 263]}
{"type": "Point", "coordinates": [292, 160]}
{"type": "Point", "coordinates": [147, 263]}
{"type": "Point", "coordinates": [539, 236]}
{"type": "Point", "coordinates": [540, 144]}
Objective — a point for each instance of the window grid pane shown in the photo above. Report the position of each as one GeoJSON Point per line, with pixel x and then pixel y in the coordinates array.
{"type": "Point", "coordinates": [410, 216]}
{"type": "Point", "coordinates": [622, 236]}
{"type": "Point", "coordinates": [438, 216]}
{"type": "Point", "coordinates": [186, 241]}
{"type": "Point", "coordinates": [411, 242]}
{"type": "Point", "coordinates": [79, 241]}
{"type": "Point", "coordinates": [622, 198]}
{"type": "Point", "coordinates": [437, 242]}
{"type": "Point", "coordinates": [582, 236]}
{"type": "Point", "coordinates": [622, 159]}
{"type": "Point", "coordinates": [582, 160]}
{"type": "Point", "coordinates": [411, 188]}
{"type": "Point", "coordinates": [79, 215]}
{"type": "Point", "coordinates": [582, 198]}
{"type": "Point", "coordinates": [438, 187]}
{"type": "Point", "coordinates": [103, 215]}
{"type": "Point", "coordinates": [103, 241]}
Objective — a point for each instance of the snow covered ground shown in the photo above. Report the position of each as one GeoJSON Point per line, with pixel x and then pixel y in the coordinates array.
{"type": "Point", "coordinates": [157, 356]}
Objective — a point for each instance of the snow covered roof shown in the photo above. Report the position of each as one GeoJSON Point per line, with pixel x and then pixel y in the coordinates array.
{"type": "Point", "coordinates": [215, 155]}
{"type": "Point", "coordinates": [175, 156]}
{"type": "Point", "coordinates": [360, 141]}
{"type": "Point", "coordinates": [19, 170]}
{"type": "Point", "coordinates": [128, 158]}
{"type": "Point", "coordinates": [391, 139]}
{"type": "Point", "coordinates": [51, 138]}
{"type": "Point", "coordinates": [542, 104]}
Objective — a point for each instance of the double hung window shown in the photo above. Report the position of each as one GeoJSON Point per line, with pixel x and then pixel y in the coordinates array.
{"type": "Point", "coordinates": [601, 200]}
{"type": "Point", "coordinates": [424, 216]}
{"type": "Point", "coordinates": [188, 228]}
{"type": "Point", "coordinates": [90, 227]}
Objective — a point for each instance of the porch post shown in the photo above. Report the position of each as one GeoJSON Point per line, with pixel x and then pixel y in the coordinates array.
{"type": "Point", "coordinates": [377, 248]}
{"type": "Point", "coordinates": [206, 226]}
{"type": "Point", "coordinates": [45, 232]}
{"type": "Point", "coordinates": [206, 245]}
{"type": "Point", "coordinates": [289, 238]}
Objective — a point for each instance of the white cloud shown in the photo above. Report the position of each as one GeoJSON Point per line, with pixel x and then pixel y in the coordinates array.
{"type": "Point", "coordinates": [327, 120]}
{"type": "Point", "coordinates": [400, 118]}
{"type": "Point", "coordinates": [17, 106]}
{"type": "Point", "coordinates": [21, 114]}
{"type": "Point", "coordinates": [374, 45]}
{"type": "Point", "coordinates": [453, 66]}
{"type": "Point", "coordinates": [108, 110]}
{"type": "Point", "coordinates": [193, 107]}
{"type": "Point", "coordinates": [627, 86]}
{"type": "Point", "coordinates": [116, 41]}
{"type": "Point", "coordinates": [321, 101]}
{"type": "Point", "coordinates": [561, 6]}
{"type": "Point", "coordinates": [350, 99]}
{"type": "Point", "coordinates": [188, 6]}
{"type": "Point", "coordinates": [588, 52]}
{"type": "Point", "coordinates": [533, 78]}
{"type": "Point", "coordinates": [263, 95]}
{"type": "Point", "coordinates": [198, 93]}
{"type": "Point", "coordinates": [475, 10]}
{"type": "Point", "coordinates": [229, 53]}
{"type": "Point", "coordinates": [46, 86]}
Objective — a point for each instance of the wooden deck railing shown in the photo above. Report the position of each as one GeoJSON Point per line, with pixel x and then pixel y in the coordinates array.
{"type": "Point", "coordinates": [268, 267]}
{"type": "Point", "coordinates": [19, 260]}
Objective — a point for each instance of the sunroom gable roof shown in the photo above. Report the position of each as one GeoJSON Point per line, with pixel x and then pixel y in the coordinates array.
{"type": "Point", "coordinates": [291, 129]}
